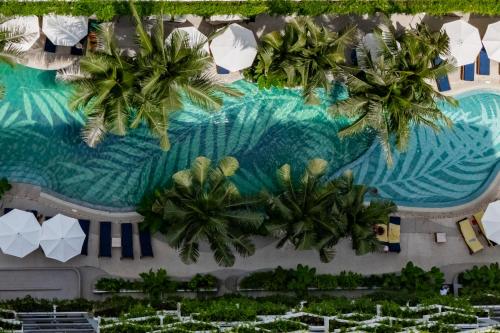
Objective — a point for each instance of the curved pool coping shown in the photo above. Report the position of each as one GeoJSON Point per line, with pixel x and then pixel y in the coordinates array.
{"type": "Point", "coordinates": [470, 204]}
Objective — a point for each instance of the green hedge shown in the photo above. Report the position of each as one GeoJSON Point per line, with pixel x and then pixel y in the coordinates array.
{"type": "Point", "coordinates": [106, 9]}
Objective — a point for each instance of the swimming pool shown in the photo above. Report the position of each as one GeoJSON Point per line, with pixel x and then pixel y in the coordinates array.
{"type": "Point", "coordinates": [41, 145]}
{"type": "Point", "coordinates": [41, 142]}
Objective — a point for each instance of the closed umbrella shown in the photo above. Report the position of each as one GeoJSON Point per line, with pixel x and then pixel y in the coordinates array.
{"type": "Point", "coordinates": [62, 238]}
{"type": "Point", "coordinates": [491, 41]}
{"type": "Point", "coordinates": [65, 30]}
{"type": "Point", "coordinates": [19, 233]}
{"type": "Point", "coordinates": [491, 221]}
{"type": "Point", "coordinates": [28, 27]}
{"type": "Point", "coordinates": [194, 35]}
{"type": "Point", "coordinates": [465, 42]}
{"type": "Point", "coordinates": [235, 49]}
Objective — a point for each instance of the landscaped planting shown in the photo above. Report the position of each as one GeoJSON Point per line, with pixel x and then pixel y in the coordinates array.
{"type": "Point", "coordinates": [107, 9]}
{"type": "Point", "coordinates": [411, 279]}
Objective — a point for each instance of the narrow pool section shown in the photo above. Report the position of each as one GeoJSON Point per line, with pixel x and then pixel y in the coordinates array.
{"type": "Point", "coordinates": [41, 141]}
{"type": "Point", "coordinates": [445, 169]}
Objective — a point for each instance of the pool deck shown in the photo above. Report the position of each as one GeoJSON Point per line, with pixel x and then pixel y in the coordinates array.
{"type": "Point", "coordinates": [417, 228]}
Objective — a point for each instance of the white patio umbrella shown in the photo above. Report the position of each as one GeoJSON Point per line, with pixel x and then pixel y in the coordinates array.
{"type": "Point", "coordinates": [19, 233]}
{"type": "Point", "coordinates": [465, 42]}
{"type": "Point", "coordinates": [491, 221]}
{"type": "Point", "coordinates": [65, 30]}
{"type": "Point", "coordinates": [491, 41]}
{"type": "Point", "coordinates": [28, 26]}
{"type": "Point", "coordinates": [62, 238]}
{"type": "Point", "coordinates": [234, 49]}
{"type": "Point", "coordinates": [194, 35]}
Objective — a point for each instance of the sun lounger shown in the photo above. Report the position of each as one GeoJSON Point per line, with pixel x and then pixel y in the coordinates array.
{"type": "Point", "coordinates": [467, 72]}
{"type": "Point", "coordinates": [105, 239]}
{"type": "Point", "coordinates": [394, 234]}
{"type": "Point", "coordinates": [127, 241]}
{"type": "Point", "coordinates": [6, 210]}
{"type": "Point", "coordinates": [483, 63]}
{"type": "Point", "coordinates": [85, 225]}
{"type": "Point", "coordinates": [354, 57]}
{"type": "Point", "coordinates": [478, 217]}
{"type": "Point", "coordinates": [78, 51]}
{"type": "Point", "coordinates": [49, 46]}
{"type": "Point", "coordinates": [222, 71]}
{"type": "Point", "coordinates": [382, 237]}
{"type": "Point", "coordinates": [443, 82]}
{"type": "Point", "coordinates": [469, 236]}
{"type": "Point", "coordinates": [145, 241]}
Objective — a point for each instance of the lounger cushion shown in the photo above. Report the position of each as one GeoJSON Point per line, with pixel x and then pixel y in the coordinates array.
{"type": "Point", "coordinates": [145, 242]}
{"type": "Point", "coordinates": [468, 72]}
{"type": "Point", "coordinates": [469, 235]}
{"type": "Point", "coordinates": [483, 63]}
{"type": "Point", "coordinates": [127, 241]}
{"type": "Point", "coordinates": [85, 225]}
{"type": "Point", "coordinates": [105, 239]}
{"type": "Point", "coordinates": [384, 237]}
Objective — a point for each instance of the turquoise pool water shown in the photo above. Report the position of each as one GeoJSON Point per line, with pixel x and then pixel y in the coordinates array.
{"type": "Point", "coordinates": [40, 144]}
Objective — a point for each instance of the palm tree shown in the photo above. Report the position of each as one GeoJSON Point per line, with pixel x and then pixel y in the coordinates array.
{"type": "Point", "coordinates": [303, 55]}
{"type": "Point", "coordinates": [168, 72]}
{"type": "Point", "coordinates": [122, 92]}
{"type": "Point", "coordinates": [304, 214]}
{"type": "Point", "coordinates": [107, 92]}
{"type": "Point", "coordinates": [361, 218]}
{"type": "Point", "coordinates": [203, 205]}
{"type": "Point", "coordinates": [390, 92]}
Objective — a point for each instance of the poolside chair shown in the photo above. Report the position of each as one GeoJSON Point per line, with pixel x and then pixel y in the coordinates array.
{"type": "Point", "coordinates": [443, 82]}
{"type": "Point", "coordinates": [6, 210]}
{"type": "Point", "coordinates": [77, 50]}
{"type": "Point", "coordinates": [469, 236]}
{"type": "Point", "coordinates": [467, 72]}
{"type": "Point", "coordinates": [85, 225]}
{"type": "Point", "coordinates": [105, 239]}
{"type": "Point", "coordinates": [394, 234]}
{"type": "Point", "coordinates": [221, 70]}
{"type": "Point", "coordinates": [127, 241]}
{"type": "Point", "coordinates": [383, 237]}
{"type": "Point", "coordinates": [49, 46]}
{"type": "Point", "coordinates": [145, 241]}
{"type": "Point", "coordinates": [354, 57]}
{"type": "Point", "coordinates": [477, 218]}
{"type": "Point", "coordinates": [483, 63]}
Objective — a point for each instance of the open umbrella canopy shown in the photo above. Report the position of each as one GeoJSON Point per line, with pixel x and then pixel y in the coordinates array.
{"type": "Point", "coordinates": [27, 27]}
{"type": "Point", "coordinates": [465, 42]}
{"type": "Point", "coordinates": [19, 233]}
{"type": "Point", "coordinates": [62, 238]}
{"type": "Point", "coordinates": [194, 35]}
{"type": "Point", "coordinates": [65, 30]}
{"type": "Point", "coordinates": [491, 41]}
{"type": "Point", "coordinates": [235, 49]}
{"type": "Point", "coordinates": [491, 221]}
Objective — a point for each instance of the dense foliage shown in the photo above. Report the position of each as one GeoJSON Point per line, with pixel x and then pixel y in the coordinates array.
{"type": "Point", "coordinates": [315, 215]}
{"type": "Point", "coordinates": [204, 205]}
{"type": "Point", "coordinates": [411, 279]}
{"type": "Point", "coordinates": [120, 91]}
{"type": "Point", "coordinates": [304, 55]}
{"type": "Point", "coordinates": [107, 9]}
{"type": "Point", "coordinates": [481, 279]}
{"type": "Point", "coordinates": [389, 89]}
{"type": "Point", "coordinates": [157, 281]}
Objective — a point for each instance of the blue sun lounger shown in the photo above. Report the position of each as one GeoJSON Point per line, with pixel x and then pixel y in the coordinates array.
{"type": "Point", "coordinates": [105, 239]}
{"type": "Point", "coordinates": [145, 241]}
{"type": "Point", "coordinates": [443, 82]}
{"type": "Point", "coordinates": [483, 63]}
{"type": "Point", "coordinates": [127, 241]}
{"type": "Point", "coordinates": [49, 46]}
{"type": "Point", "coordinates": [85, 225]}
{"type": "Point", "coordinates": [354, 57]}
{"type": "Point", "coordinates": [467, 72]}
{"type": "Point", "coordinates": [221, 70]}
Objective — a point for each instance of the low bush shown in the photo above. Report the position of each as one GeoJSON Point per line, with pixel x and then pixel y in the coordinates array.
{"type": "Point", "coordinates": [193, 326]}
{"type": "Point", "coordinates": [107, 9]}
{"type": "Point", "coordinates": [283, 326]}
{"type": "Point", "coordinates": [480, 278]}
{"type": "Point", "coordinates": [455, 318]}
